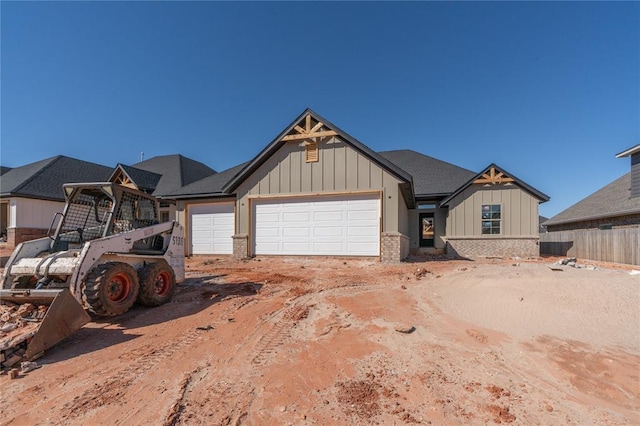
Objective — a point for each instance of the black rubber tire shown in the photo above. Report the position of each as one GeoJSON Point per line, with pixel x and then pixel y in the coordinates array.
{"type": "Point", "coordinates": [157, 284]}
{"type": "Point", "coordinates": [111, 289]}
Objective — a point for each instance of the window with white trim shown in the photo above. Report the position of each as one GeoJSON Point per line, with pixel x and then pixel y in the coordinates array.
{"type": "Point", "coordinates": [491, 218]}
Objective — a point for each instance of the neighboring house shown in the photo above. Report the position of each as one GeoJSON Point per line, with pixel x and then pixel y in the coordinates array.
{"type": "Point", "coordinates": [208, 213]}
{"type": "Point", "coordinates": [541, 220]}
{"type": "Point", "coordinates": [160, 176]}
{"type": "Point", "coordinates": [616, 205]}
{"type": "Point", "coordinates": [31, 195]}
{"type": "Point", "coordinates": [316, 190]}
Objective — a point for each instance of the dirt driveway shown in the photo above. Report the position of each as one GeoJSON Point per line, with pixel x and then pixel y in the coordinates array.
{"type": "Point", "coordinates": [350, 341]}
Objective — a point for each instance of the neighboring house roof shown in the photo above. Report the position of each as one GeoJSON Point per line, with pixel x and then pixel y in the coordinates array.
{"type": "Point", "coordinates": [431, 177]}
{"type": "Point", "coordinates": [611, 201]}
{"type": "Point", "coordinates": [175, 170]}
{"type": "Point", "coordinates": [44, 179]}
{"type": "Point", "coordinates": [4, 169]}
{"type": "Point", "coordinates": [208, 187]}
{"type": "Point", "coordinates": [143, 179]}
{"type": "Point", "coordinates": [493, 167]}
{"type": "Point", "coordinates": [630, 151]}
{"type": "Point", "coordinates": [258, 160]}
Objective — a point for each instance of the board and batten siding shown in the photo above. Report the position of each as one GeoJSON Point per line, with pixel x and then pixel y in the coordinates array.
{"type": "Point", "coordinates": [340, 170]}
{"type": "Point", "coordinates": [519, 211]}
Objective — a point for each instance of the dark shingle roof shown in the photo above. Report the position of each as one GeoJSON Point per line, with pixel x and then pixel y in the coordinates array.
{"type": "Point", "coordinates": [4, 169]}
{"type": "Point", "coordinates": [177, 171]}
{"type": "Point", "coordinates": [44, 179]}
{"type": "Point", "coordinates": [431, 177]}
{"type": "Point", "coordinates": [610, 201]}
{"type": "Point", "coordinates": [210, 186]}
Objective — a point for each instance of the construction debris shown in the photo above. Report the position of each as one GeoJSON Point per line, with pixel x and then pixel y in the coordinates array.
{"type": "Point", "coordinates": [18, 324]}
{"type": "Point", "coordinates": [27, 366]}
{"type": "Point", "coordinates": [572, 262]}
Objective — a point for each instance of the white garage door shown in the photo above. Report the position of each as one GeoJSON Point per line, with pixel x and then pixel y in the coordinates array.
{"type": "Point", "coordinates": [344, 225]}
{"type": "Point", "coordinates": [212, 226]}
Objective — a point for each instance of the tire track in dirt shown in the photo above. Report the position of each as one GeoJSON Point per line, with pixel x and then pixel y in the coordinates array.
{"type": "Point", "coordinates": [112, 390]}
{"type": "Point", "coordinates": [229, 401]}
{"type": "Point", "coordinates": [286, 318]}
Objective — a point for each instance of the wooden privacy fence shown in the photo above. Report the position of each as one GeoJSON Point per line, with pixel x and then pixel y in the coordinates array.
{"type": "Point", "coordinates": [621, 245]}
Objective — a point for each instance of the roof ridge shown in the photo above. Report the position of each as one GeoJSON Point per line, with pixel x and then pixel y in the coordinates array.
{"type": "Point", "coordinates": [428, 156]}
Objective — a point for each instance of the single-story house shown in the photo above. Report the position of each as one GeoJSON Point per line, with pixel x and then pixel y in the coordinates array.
{"type": "Point", "coordinates": [616, 205]}
{"type": "Point", "coordinates": [31, 195]}
{"type": "Point", "coordinates": [316, 190]}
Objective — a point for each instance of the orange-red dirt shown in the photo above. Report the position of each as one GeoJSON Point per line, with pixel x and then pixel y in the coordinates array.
{"type": "Point", "coordinates": [314, 341]}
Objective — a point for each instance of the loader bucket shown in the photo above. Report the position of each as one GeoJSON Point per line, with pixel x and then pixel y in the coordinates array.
{"type": "Point", "coordinates": [63, 317]}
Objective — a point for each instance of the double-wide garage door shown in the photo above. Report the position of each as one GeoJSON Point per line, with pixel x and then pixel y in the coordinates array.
{"type": "Point", "coordinates": [336, 225]}
{"type": "Point", "coordinates": [212, 226]}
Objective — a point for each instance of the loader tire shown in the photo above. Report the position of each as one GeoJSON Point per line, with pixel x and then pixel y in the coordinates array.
{"type": "Point", "coordinates": [157, 284]}
{"type": "Point", "coordinates": [111, 289]}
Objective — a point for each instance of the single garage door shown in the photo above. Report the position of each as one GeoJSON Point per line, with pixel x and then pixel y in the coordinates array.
{"type": "Point", "coordinates": [337, 225]}
{"type": "Point", "coordinates": [212, 226]}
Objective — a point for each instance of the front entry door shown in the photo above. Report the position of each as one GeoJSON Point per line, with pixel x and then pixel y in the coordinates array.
{"type": "Point", "coordinates": [426, 229]}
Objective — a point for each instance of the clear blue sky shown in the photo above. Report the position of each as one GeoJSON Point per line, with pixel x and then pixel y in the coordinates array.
{"type": "Point", "coordinates": [548, 91]}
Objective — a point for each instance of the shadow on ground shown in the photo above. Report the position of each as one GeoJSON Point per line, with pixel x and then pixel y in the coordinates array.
{"type": "Point", "coordinates": [192, 296]}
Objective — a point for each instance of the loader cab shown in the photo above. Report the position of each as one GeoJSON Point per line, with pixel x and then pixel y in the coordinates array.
{"type": "Point", "coordinates": [97, 210]}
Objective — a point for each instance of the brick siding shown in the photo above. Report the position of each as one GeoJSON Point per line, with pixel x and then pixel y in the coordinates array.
{"type": "Point", "coordinates": [16, 236]}
{"type": "Point", "coordinates": [394, 247]}
{"type": "Point", "coordinates": [490, 247]}
{"type": "Point", "coordinates": [240, 246]}
{"type": "Point", "coordinates": [616, 222]}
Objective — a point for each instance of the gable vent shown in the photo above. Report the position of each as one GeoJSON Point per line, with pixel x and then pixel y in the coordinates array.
{"type": "Point", "coordinates": [311, 152]}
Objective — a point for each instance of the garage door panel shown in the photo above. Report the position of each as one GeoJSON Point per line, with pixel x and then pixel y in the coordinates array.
{"type": "Point", "coordinates": [361, 215]}
{"type": "Point", "coordinates": [362, 248]}
{"type": "Point", "coordinates": [268, 247]}
{"type": "Point", "coordinates": [267, 232]}
{"type": "Point", "coordinates": [328, 247]}
{"type": "Point", "coordinates": [338, 225]}
{"type": "Point", "coordinates": [295, 232]}
{"type": "Point", "coordinates": [289, 217]}
{"type": "Point", "coordinates": [331, 215]}
{"type": "Point", "coordinates": [270, 217]}
{"type": "Point", "coordinates": [328, 231]}
{"type": "Point", "coordinates": [361, 231]}
{"type": "Point", "coordinates": [294, 207]}
{"type": "Point", "coordinates": [295, 247]}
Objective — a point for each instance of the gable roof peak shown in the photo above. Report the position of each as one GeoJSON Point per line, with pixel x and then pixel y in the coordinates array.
{"type": "Point", "coordinates": [296, 132]}
{"type": "Point", "coordinates": [494, 174]}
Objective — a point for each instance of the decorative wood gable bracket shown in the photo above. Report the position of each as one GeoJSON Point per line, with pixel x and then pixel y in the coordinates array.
{"type": "Point", "coordinates": [123, 179]}
{"type": "Point", "coordinates": [309, 131]}
{"type": "Point", "coordinates": [493, 176]}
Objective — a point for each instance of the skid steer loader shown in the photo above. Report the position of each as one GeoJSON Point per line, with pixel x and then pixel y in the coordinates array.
{"type": "Point", "coordinates": [106, 251]}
